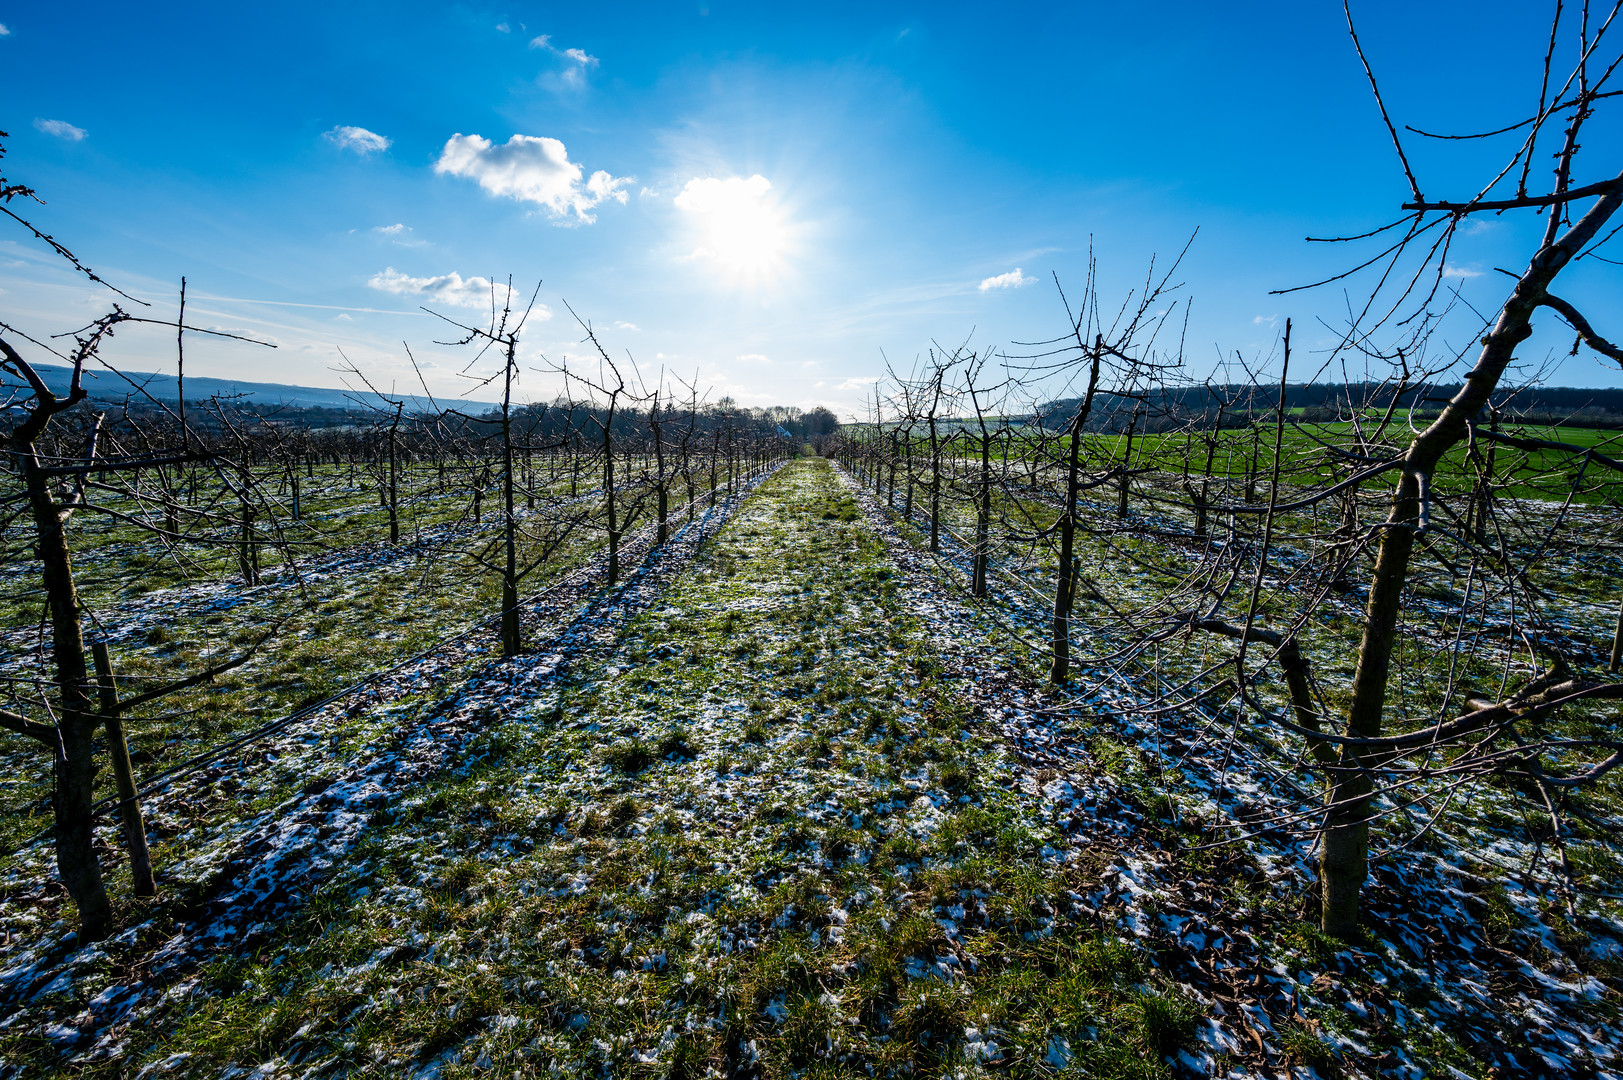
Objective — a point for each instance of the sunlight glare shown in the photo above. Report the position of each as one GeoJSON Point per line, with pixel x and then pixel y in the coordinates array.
{"type": "Point", "coordinates": [739, 230]}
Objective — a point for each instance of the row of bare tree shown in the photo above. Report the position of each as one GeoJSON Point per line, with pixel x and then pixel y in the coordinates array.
{"type": "Point", "coordinates": [225, 490]}
{"type": "Point", "coordinates": [1404, 600]}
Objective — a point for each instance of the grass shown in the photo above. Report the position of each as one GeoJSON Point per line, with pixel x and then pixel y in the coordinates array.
{"type": "Point", "coordinates": [763, 828]}
{"type": "Point", "coordinates": [382, 606]}
{"type": "Point", "coordinates": [785, 920]}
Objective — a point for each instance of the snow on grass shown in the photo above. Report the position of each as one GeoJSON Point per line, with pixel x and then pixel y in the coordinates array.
{"type": "Point", "coordinates": [1465, 968]}
{"type": "Point", "coordinates": [781, 806]}
{"type": "Point", "coordinates": [741, 828]}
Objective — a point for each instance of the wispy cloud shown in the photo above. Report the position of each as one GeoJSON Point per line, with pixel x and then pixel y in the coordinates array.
{"type": "Point", "coordinates": [531, 169]}
{"type": "Point", "coordinates": [1265, 320]}
{"type": "Point", "coordinates": [452, 288]}
{"type": "Point", "coordinates": [577, 62]}
{"type": "Point", "coordinates": [1014, 279]}
{"type": "Point", "coordinates": [631, 326]}
{"type": "Point", "coordinates": [256, 333]}
{"type": "Point", "coordinates": [503, 28]}
{"type": "Point", "coordinates": [400, 235]}
{"type": "Point", "coordinates": [358, 139]}
{"type": "Point", "coordinates": [5, 31]}
{"type": "Point", "coordinates": [755, 358]}
{"type": "Point", "coordinates": [1450, 270]}
{"type": "Point", "coordinates": [61, 129]}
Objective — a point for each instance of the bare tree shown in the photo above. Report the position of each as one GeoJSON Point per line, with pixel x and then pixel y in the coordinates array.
{"type": "Point", "coordinates": [55, 488]}
{"type": "Point", "coordinates": [1409, 519]}
{"type": "Point", "coordinates": [611, 386]}
{"type": "Point", "coordinates": [502, 333]}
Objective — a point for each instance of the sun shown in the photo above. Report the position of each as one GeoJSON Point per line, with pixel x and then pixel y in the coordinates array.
{"type": "Point", "coordinates": [738, 226]}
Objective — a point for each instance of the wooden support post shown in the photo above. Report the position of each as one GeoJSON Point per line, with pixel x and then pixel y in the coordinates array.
{"type": "Point", "coordinates": [135, 834]}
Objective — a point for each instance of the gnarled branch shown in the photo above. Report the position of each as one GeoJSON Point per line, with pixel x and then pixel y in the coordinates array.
{"type": "Point", "coordinates": [1576, 320]}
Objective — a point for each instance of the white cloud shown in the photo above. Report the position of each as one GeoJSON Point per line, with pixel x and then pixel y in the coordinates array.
{"type": "Point", "coordinates": [603, 186]}
{"type": "Point", "coordinates": [1450, 270]}
{"type": "Point", "coordinates": [358, 139]}
{"type": "Point", "coordinates": [503, 28]}
{"type": "Point", "coordinates": [648, 193]}
{"type": "Point", "coordinates": [1014, 279]}
{"type": "Point", "coordinates": [400, 235]}
{"type": "Point", "coordinates": [61, 129]}
{"type": "Point", "coordinates": [452, 288]}
{"type": "Point", "coordinates": [631, 326]}
{"type": "Point", "coordinates": [5, 31]}
{"type": "Point", "coordinates": [531, 169]}
{"type": "Point", "coordinates": [576, 63]}
{"type": "Point", "coordinates": [755, 358]}
{"type": "Point", "coordinates": [1265, 320]}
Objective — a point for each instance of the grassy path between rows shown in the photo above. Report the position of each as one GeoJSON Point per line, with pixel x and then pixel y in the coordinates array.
{"type": "Point", "coordinates": [751, 835]}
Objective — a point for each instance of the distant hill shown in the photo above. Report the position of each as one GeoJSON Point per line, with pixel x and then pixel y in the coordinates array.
{"type": "Point", "coordinates": [1576, 406]}
{"type": "Point", "coordinates": [105, 386]}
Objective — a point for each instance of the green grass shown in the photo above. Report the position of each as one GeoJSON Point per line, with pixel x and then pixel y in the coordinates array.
{"type": "Point", "coordinates": [667, 904]}
{"type": "Point", "coordinates": [747, 834]}
{"type": "Point", "coordinates": [328, 633]}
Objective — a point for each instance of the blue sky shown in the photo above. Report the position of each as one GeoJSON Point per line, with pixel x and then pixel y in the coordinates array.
{"type": "Point", "coordinates": [765, 196]}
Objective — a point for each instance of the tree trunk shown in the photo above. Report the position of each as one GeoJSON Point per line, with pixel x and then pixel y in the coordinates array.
{"type": "Point", "coordinates": [247, 549]}
{"type": "Point", "coordinates": [983, 519]}
{"type": "Point", "coordinates": [935, 488]}
{"type": "Point", "coordinates": [510, 624]}
{"type": "Point", "coordinates": [1251, 470]}
{"type": "Point", "coordinates": [608, 501]}
{"type": "Point", "coordinates": [1203, 500]}
{"type": "Point", "coordinates": [394, 484]}
{"type": "Point", "coordinates": [529, 475]}
{"type": "Point", "coordinates": [1346, 832]}
{"type": "Point", "coordinates": [1065, 585]}
{"type": "Point", "coordinates": [1127, 469]}
{"type": "Point", "coordinates": [907, 473]}
{"type": "Point", "coordinates": [73, 793]}
{"type": "Point", "coordinates": [1617, 643]}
